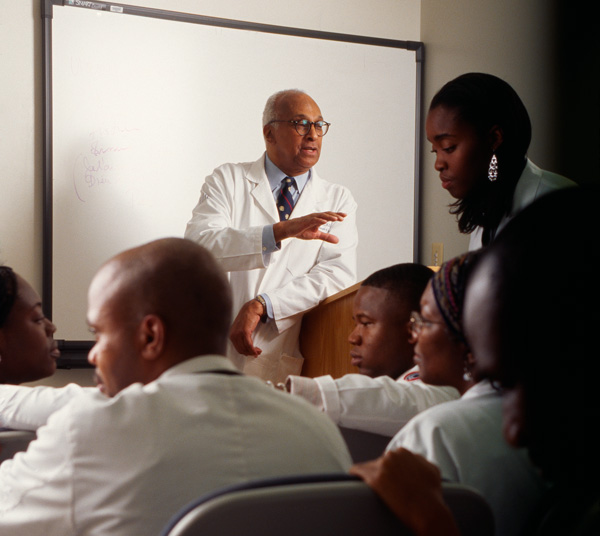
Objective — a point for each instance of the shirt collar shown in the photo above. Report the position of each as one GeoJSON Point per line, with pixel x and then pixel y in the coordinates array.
{"type": "Point", "coordinates": [275, 176]}
{"type": "Point", "coordinates": [482, 388]}
{"type": "Point", "coordinates": [199, 364]}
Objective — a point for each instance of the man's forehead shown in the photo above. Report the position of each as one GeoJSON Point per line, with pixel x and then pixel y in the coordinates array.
{"type": "Point", "coordinates": [369, 297]}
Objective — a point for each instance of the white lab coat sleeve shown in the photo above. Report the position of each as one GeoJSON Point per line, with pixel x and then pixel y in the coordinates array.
{"type": "Point", "coordinates": [28, 408]}
{"type": "Point", "coordinates": [36, 491]}
{"type": "Point", "coordinates": [306, 388]}
{"type": "Point", "coordinates": [235, 246]}
{"type": "Point", "coordinates": [333, 270]}
{"type": "Point", "coordinates": [379, 405]}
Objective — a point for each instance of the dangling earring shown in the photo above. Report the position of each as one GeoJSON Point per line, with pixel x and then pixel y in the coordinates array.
{"type": "Point", "coordinates": [493, 169]}
{"type": "Point", "coordinates": [467, 376]}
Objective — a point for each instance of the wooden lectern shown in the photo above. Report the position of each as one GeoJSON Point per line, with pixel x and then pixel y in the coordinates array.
{"type": "Point", "coordinates": [324, 336]}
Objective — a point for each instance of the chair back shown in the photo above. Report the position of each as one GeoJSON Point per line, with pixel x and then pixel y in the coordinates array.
{"type": "Point", "coordinates": [318, 505]}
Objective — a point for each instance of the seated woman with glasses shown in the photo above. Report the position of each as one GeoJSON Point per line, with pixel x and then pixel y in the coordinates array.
{"type": "Point", "coordinates": [463, 437]}
{"type": "Point", "coordinates": [28, 351]}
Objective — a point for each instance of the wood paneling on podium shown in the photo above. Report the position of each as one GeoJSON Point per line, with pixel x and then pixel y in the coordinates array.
{"type": "Point", "coordinates": [324, 336]}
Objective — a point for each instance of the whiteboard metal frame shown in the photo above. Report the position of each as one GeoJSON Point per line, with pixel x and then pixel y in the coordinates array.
{"type": "Point", "coordinates": [74, 353]}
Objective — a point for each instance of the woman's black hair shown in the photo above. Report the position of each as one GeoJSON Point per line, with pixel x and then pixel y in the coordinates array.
{"type": "Point", "coordinates": [484, 101]}
{"type": "Point", "coordinates": [8, 292]}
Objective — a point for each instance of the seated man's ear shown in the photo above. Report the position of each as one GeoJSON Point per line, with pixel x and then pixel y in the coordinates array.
{"type": "Point", "coordinates": [412, 338]}
{"type": "Point", "coordinates": [151, 337]}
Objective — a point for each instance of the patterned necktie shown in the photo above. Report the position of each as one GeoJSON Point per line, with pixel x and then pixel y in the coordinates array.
{"type": "Point", "coordinates": [285, 201]}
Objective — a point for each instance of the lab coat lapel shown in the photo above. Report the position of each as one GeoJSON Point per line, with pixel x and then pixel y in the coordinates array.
{"type": "Point", "coordinates": [260, 189]}
{"type": "Point", "coordinates": [309, 199]}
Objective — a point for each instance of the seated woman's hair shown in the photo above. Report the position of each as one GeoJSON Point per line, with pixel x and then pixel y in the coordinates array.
{"type": "Point", "coordinates": [8, 292]}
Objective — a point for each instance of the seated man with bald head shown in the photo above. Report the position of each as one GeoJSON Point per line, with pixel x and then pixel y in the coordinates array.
{"type": "Point", "coordinates": [172, 418]}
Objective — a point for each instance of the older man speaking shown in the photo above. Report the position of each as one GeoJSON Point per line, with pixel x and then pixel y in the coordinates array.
{"type": "Point", "coordinates": [287, 237]}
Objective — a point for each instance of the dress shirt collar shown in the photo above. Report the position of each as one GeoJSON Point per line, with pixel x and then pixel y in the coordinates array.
{"type": "Point", "coordinates": [205, 363]}
{"type": "Point", "coordinates": [275, 176]}
{"type": "Point", "coordinates": [482, 388]}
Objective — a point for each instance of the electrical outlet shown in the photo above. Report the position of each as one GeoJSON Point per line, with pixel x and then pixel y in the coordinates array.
{"type": "Point", "coordinates": [437, 253]}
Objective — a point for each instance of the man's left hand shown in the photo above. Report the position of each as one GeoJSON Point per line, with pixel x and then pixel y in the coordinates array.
{"type": "Point", "coordinates": [243, 328]}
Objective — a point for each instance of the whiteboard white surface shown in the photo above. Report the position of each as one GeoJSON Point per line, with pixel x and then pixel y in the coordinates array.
{"type": "Point", "coordinates": [144, 109]}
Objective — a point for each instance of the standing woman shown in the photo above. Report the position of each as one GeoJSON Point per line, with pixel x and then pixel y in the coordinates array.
{"type": "Point", "coordinates": [480, 132]}
{"type": "Point", "coordinates": [28, 351]}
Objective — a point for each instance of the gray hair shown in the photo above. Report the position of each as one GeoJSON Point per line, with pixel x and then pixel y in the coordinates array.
{"type": "Point", "coordinates": [270, 111]}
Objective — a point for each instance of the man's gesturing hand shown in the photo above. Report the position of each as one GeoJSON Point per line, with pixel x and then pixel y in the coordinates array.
{"type": "Point", "coordinates": [307, 227]}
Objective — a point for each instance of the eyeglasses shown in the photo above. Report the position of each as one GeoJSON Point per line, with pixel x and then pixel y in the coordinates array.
{"type": "Point", "coordinates": [303, 126]}
{"type": "Point", "coordinates": [416, 323]}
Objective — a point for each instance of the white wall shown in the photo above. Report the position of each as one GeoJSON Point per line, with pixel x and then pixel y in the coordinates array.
{"type": "Point", "coordinates": [21, 138]}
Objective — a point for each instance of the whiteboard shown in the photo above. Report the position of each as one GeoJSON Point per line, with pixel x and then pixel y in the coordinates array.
{"type": "Point", "coordinates": [142, 106]}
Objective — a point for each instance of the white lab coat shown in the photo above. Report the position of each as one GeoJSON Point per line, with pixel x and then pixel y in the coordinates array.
{"type": "Point", "coordinates": [27, 408]}
{"type": "Point", "coordinates": [533, 183]}
{"type": "Point", "coordinates": [236, 202]}
{"type": "Point", "coordinates": [464, 439]}
{"type": "Point", "coordinates": [380, 405]}
{"type": "Point", "coordinates": [123, 466]}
